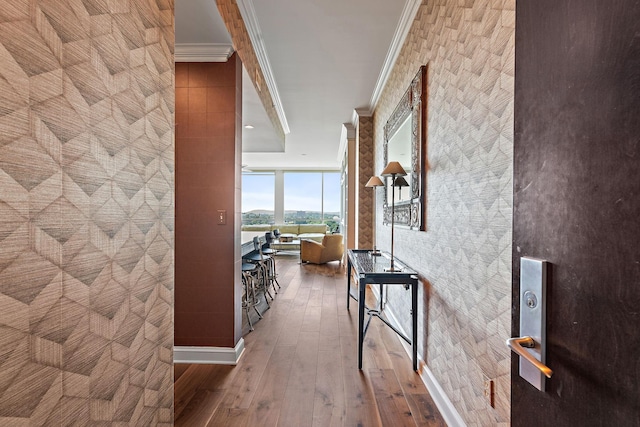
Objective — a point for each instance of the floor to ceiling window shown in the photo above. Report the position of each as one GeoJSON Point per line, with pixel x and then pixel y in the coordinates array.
{"type": "Point", "coordinates": [302, 197]}
{"type": "Point", "coordinates": [332, 200]}
{"type": "Point", "coordinates": [307, 198]}
{"type": "Point", "coordinates": [258, 197]}
{"type": "Point", "coordinates": [312, 198]}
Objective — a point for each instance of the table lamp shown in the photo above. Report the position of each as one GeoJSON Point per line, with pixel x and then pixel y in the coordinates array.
{"type": "Point", "coordinates": [374, 182]}
{"type": "Point", "coordinates": [400, 182]}
{"type": "Point", "coordinates": [393, 170]}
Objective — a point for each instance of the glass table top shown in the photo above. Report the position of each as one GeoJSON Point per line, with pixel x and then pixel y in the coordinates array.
{"type": "Point", "coordinates": [366, 263]}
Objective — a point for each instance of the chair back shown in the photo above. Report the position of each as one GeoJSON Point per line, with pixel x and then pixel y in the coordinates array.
{"type": "Point", "coordinates": [333, 241]}
{"type": "Point", "coordinates": [268, 237]}
{"type": "Point", "coordinates": [256, 244]}
{"type": "Point", "coordinates": [334, 245]}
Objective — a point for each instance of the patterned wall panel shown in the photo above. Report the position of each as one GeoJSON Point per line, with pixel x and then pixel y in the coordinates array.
{"type": "Point", "coordinates": [86, 212]}
{"type": "Point", "coordinates": [465, 254]}
{"type": "Point", "coordinates": [365, 171]}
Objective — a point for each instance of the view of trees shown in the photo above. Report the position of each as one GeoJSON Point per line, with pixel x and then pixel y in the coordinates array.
{"type": "Point", "coordinates": [332, 219]}
{"type": "Point", "coordinates": [306, 195]}
{"type": "Point", "coordinates": [257, 217]}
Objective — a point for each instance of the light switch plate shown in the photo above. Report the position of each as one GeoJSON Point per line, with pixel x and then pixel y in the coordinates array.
{"type": "Point", "coordinates": [222, 217]}
{"type": "Point", "coordinates": [533, 313]}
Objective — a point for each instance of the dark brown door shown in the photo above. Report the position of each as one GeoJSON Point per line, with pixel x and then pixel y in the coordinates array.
{"type": "Point", "coordinates": [577, 205]}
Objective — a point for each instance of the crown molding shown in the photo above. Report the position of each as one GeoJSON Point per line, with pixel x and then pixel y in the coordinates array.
{"type": "Point", "coordinates": [354, 118]}
{"type": "Point", "coordinates": [348, 131]}
{"type": "Point", "coordinates": [360, 112]}
{"type": "Point", "coordinates": [203, 52]}
{"type": "Point", "coordinates": [255, 34]}
{"type": "Point", "coordinates": [404, 25]}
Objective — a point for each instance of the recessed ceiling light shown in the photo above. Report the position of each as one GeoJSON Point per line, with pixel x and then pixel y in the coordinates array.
{"type": "Point", "coordinates": [248, 127]}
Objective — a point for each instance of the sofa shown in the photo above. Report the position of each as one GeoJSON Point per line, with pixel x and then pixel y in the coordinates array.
{"type": "Point", "coordinates": [315, 232]}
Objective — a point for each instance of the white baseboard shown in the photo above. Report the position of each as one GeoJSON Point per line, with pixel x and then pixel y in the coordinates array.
{"type": "Point", "coordinates": [209, 355]}
{"type": "Point", "coordinates": [447, 410]}
{"type": "Point", "coordinates": [440, 398]}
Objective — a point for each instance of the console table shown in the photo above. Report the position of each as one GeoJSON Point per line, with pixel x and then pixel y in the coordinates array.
{"type": "Point", "coordinates": [370, 269]}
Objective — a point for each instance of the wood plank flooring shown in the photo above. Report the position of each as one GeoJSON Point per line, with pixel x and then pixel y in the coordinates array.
{"type": "Point", "coordinates": [300, 366]}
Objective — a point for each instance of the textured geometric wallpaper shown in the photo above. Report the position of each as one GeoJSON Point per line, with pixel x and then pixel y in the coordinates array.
{"type": "Point", "coordinates": [365, 171]}
{"type": "Point", "coordinates": [464, 255]}
{"type": "Point", "coordinates": [86, 212]}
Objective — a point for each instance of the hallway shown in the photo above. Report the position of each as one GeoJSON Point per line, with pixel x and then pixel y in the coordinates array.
{"type": "Point", "coordinates": [300, 366]}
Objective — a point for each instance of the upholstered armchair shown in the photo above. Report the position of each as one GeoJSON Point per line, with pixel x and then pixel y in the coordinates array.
{"type": "Point", "coordinates": [331, 249]}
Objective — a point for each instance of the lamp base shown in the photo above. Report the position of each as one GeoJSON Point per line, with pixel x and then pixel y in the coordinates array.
{"type": "Point", "coordinates": [392, 269]}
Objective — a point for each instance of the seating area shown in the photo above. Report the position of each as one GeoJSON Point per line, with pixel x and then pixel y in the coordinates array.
{"type": "Point", "coordinates": [291, 234]}
{"type": "Point", "coordinates": [259, 275]}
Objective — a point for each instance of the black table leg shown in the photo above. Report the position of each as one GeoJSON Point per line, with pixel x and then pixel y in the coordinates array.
{"type": "Point", "coordinates": [361, 295]}
{"type": "Point", "coordinates": [348, 281]}
{"type": "Point", "coordinates": [414, 318]}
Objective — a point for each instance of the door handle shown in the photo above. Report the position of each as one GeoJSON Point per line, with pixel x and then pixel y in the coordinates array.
{"type": "Point", "coordinates": [518, 345]}
{"type": "Point", "coordinates": [531, 346]}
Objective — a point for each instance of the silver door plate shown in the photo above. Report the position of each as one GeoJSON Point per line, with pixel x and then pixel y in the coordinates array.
{"type": "Point", "coordinates": [533, 288]}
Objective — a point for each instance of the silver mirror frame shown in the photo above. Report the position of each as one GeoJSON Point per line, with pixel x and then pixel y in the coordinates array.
{"type": "Point", "coordinates": [409, 213]}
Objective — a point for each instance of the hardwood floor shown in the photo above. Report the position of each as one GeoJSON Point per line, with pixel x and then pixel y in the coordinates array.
{"type": "Point", "coordinates": [300, 366]}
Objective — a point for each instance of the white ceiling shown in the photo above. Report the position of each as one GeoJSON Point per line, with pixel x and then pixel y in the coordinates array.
{"type": "Point", "coordinates": [198, 21]}
{"type": "Point", "coordinates": [326, 58]}
{"type": "Point", "coordinates": [261, 138]}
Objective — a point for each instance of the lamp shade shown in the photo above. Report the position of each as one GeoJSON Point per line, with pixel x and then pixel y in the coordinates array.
{"type": "Point", "coordinates": [374, 181]}
{"type": "Point", "coordinates": [400, 182]}
{"type": "Point", "coordinates": [393, 168]}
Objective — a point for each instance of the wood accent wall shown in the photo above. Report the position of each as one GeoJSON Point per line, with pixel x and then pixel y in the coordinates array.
{"type": "Point", "coordinates": [86, 212]}
{"type": "Point", "coordinates": [208, 112]}
{"type": "Point", "coordinates": [576, 205]}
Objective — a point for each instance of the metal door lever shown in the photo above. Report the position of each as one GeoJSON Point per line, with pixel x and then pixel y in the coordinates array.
{"type": "Point", "coordinates": [518, 344]}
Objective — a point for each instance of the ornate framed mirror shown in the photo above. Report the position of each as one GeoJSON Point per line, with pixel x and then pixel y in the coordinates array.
{"type": "Point", "coordinates": [404, 141]}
